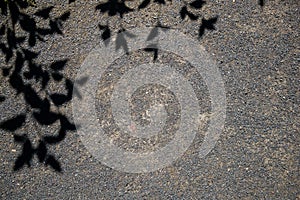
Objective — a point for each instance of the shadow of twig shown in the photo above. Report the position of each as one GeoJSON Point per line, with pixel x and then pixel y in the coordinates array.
{"type": "Point", "coordinates": [119, 7]}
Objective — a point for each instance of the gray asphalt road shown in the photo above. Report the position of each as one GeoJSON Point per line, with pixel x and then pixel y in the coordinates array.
{"type": "Point", "coordinates": [257, 154]}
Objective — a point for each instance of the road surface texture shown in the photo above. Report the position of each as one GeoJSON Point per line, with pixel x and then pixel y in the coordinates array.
{"type": "Point", "coordinates": [257, 155]}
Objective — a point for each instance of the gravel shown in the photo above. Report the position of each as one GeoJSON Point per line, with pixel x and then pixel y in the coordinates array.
{"type": "Point", "coordinates": [257, 156]}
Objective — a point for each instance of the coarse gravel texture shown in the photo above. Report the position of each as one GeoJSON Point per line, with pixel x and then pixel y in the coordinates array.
{"type": "Point", "coordinates": [258, 153]}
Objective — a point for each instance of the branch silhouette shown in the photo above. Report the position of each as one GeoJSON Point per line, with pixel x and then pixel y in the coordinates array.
{"type": "Point", "coordinates": [24, 75]}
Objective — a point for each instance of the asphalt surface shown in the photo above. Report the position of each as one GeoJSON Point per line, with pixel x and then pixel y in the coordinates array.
{"type": "Point", "coordinates": [258, 153]}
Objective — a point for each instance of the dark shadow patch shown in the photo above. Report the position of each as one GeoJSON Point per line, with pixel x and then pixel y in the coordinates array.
{"type": "Point", "coordinates": [29, 79]}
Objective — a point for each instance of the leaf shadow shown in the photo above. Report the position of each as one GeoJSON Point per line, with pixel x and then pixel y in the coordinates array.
{"type": "Point", "coordinates": [119, 8]}
{"type": "Point", "coordinates": [30, 80]}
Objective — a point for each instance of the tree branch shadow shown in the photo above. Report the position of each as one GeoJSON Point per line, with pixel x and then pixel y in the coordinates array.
{"type": "Point", "coordinates": [25, 75]}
